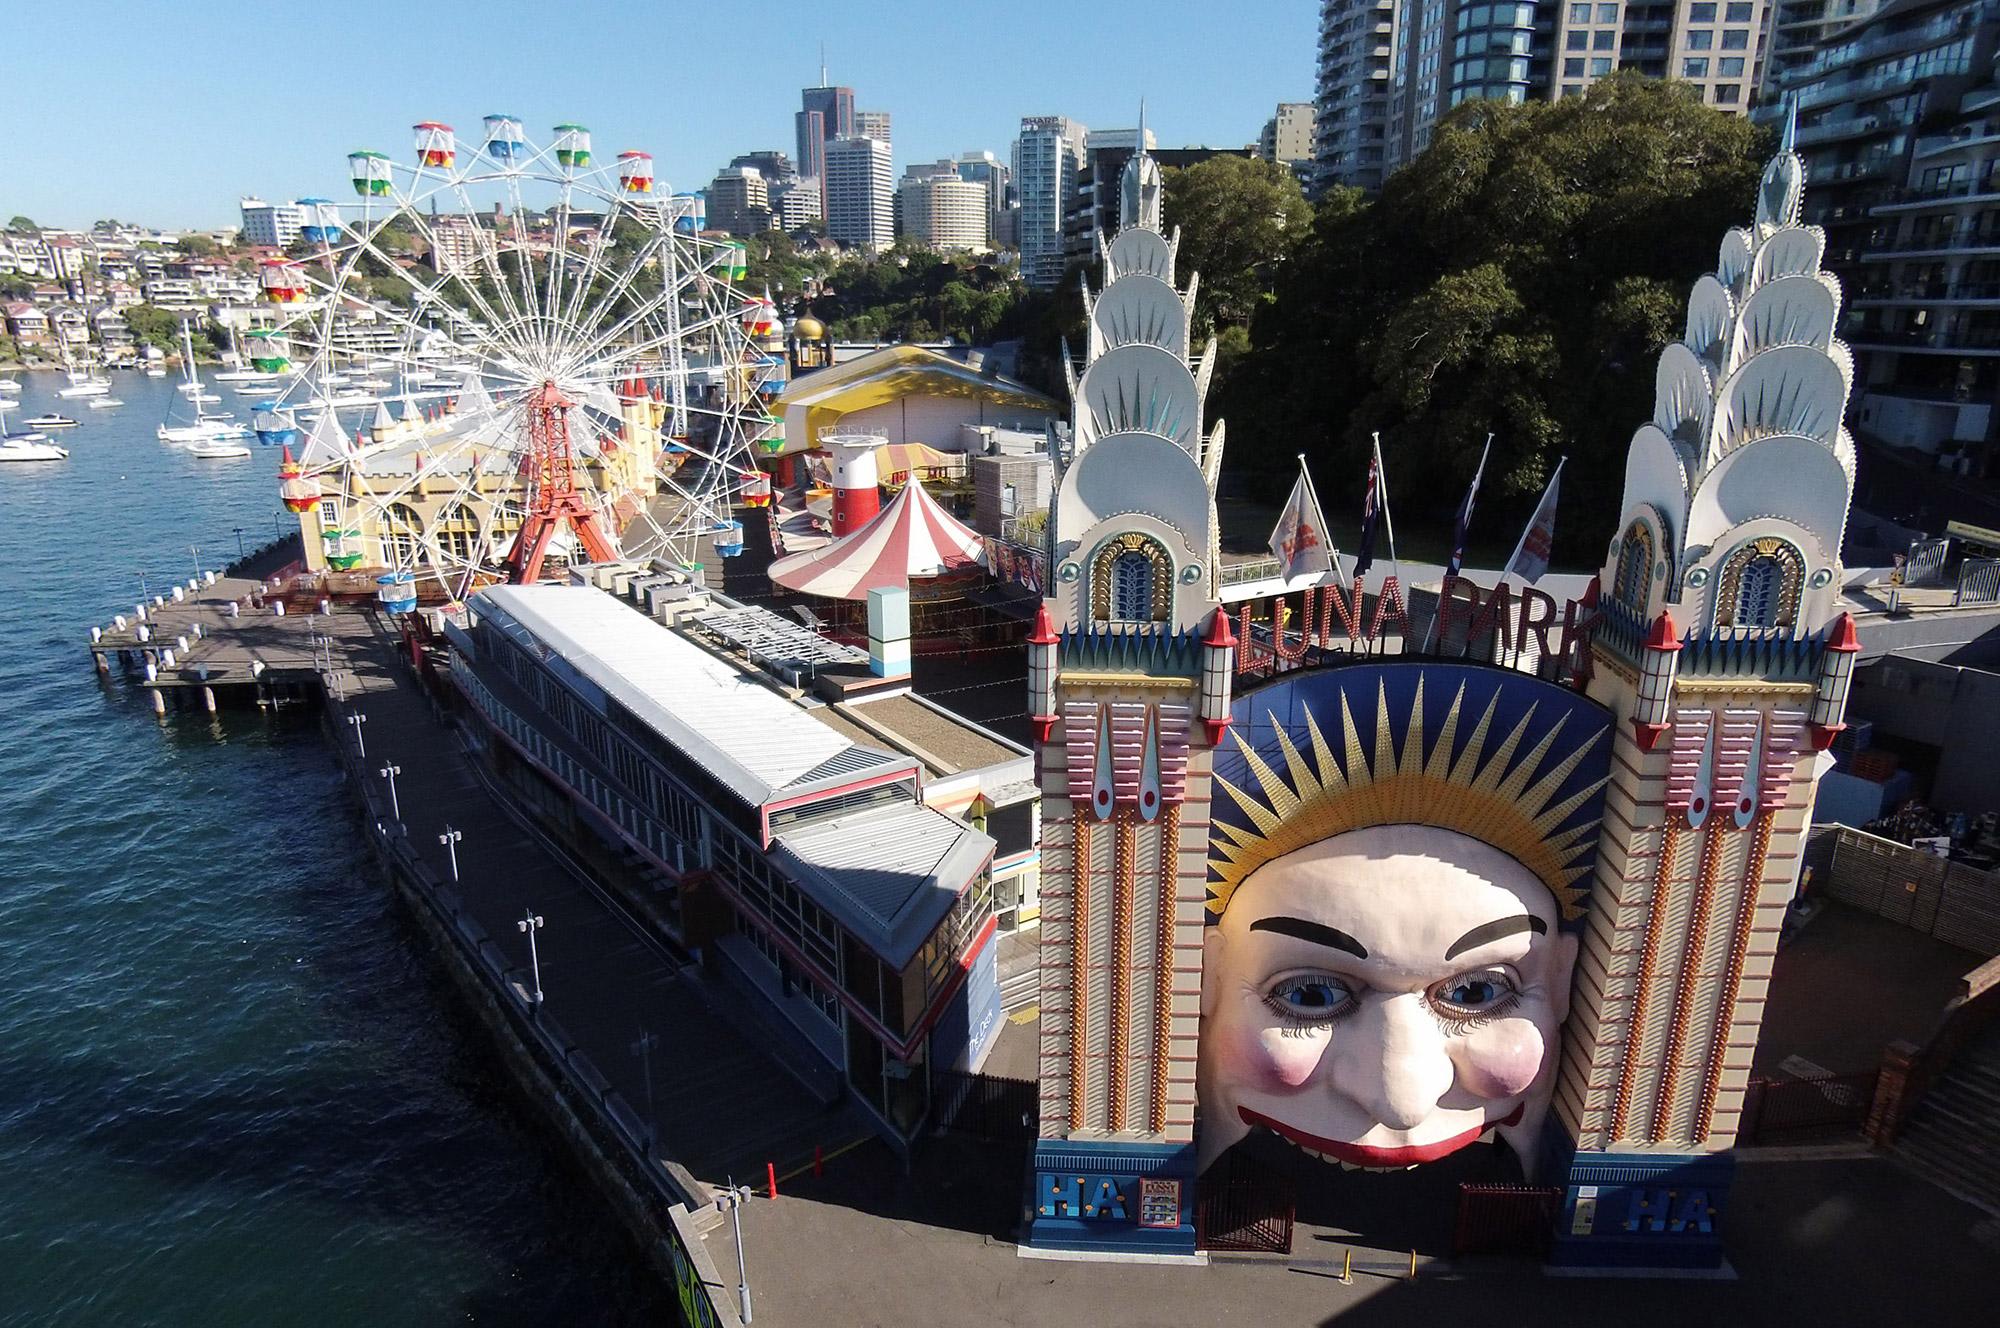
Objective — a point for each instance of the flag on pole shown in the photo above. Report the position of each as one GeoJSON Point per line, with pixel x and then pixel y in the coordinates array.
{"type": "Point", "coordinates": [1531, 555]}
{"type": "Point", "coordinates": [1374, 513]}
{"type": "Point", "coordinates": [1465, 514]}
{"type": "Point", "coordinates": [1299, 541]}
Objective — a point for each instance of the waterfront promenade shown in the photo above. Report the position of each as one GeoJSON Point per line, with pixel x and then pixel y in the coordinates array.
{"type": "Point", "coordinates": [670, 1073]}
{"type": "Point", "coordinates": [613, 988]}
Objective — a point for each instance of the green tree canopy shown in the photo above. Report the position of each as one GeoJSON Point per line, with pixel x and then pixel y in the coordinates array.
{"type": "Point", "coordinates": [1239, 218]}
{"type": "Point", "coordinates": [1517, 277]}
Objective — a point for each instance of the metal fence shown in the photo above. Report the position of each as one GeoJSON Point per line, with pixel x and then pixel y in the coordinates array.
{"type": "Point", "coordinates": [1505, 1219]}
{"type": "Point", "coordinates": [1978, 582]}
{"type": "Point", "coordinates": [988, 1106]}
{"type": "Point", "coordinates": [1923, 565]}
{"type": "Point", "coordinates": [1799, 1110]}
{"type": "Point", "coordinates": [1244, 1206]}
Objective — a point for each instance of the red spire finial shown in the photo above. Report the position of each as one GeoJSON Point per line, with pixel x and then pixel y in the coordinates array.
{"type": "Point", "coordinates": [1843, 637]}
{"type": "Point", "coordinates": [1044, 633]}
{"type": "Point", "coordinates": [1219, 633]}
{"type": "Point", "coordinates": [1664, 636]}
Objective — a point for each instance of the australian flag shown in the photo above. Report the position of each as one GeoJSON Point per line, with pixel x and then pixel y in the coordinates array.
{"type": "Point", "coordinates": [1371, 515]}
{"type": "Point", "coordinates": [1464, 524]}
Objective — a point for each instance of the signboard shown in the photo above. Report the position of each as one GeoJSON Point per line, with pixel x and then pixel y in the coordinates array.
{"type": "Point", "coordinates": [1972, 534]}
{"type": "Point", "coordinates": [1159, 1203]}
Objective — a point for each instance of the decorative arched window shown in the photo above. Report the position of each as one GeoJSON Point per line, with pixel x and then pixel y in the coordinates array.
{"type": "Point", "coordinates": [458, 533]}
{"type": "Point", "coordinates": [1131, 580]}
{"type": "Point", "coordinates": [1635, 561]}
{"type": "Point", "coordinates": [1760, 587]}
{"type": "Point", "coordinates": [402, 535]}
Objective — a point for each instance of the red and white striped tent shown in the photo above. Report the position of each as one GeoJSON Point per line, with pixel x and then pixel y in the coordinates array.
{"type": "Point", "coordinates": [910, 538]}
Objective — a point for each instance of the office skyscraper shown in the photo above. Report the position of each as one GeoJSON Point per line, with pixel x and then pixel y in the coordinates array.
{"type": "Point", "coordinates": [1047, 157]}
{"type": "Point", "coordinates": [827, 114]}
{"type": "Point", "coordinates": [860, 194]}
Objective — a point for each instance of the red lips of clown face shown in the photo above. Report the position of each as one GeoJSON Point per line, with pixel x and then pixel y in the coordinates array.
{"type": "Point", "coordinates": [1365, 1155]}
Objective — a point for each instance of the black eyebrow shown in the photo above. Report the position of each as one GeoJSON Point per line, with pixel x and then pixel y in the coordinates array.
{"type": "Point", "coordinates": [1316, 932]}
{"type": "Point", "coordinates": [1494, 930]}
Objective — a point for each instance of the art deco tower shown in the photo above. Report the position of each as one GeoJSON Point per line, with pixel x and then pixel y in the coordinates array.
{"type": "Point", "coordinates": [1724, 652]}
{"type": "Point", "coordinates": [1129, 675]}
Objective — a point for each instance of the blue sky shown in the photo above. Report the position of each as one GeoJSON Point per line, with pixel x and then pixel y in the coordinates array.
{"type": "Point", "coordinates": [164, 112]}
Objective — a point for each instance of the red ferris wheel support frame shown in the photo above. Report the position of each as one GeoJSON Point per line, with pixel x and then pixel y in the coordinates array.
{"type": "Point", "coordinates": [553, 498]}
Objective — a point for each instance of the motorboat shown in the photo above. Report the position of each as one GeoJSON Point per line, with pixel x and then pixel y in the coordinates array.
{"type": "Point", "coordinates": [30, 447]}
{"type": "Point", "coordinates": [155, 371]}
{"type": "Point", "coordinates": [10, 387]}
{"type": "Point", "coordinates": [104, 403]}
{"type": "Point", "coordinates": [26, 446]}
{"type": "Point", "coordinates": [51, 420]}
{"type": "Point", "coordinates": [217, 450]}
{"type": "Point", "coordinates": [89, 387]}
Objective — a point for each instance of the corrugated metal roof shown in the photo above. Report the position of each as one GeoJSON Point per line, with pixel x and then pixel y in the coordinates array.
{"type": "Point", "coordinates": [751, 739]}
{"type": "Point", "coordinates": [888, 874]}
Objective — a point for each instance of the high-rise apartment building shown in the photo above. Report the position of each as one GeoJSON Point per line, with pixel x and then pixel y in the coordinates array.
{"type": "Point", "coordinates": [1357, 63]}
{"type": "Point", "coordinates": [1799, 28]}
{"type": "Point", "coordinates": [272, 224]}
{"type": "Point", "coordinates": [1288, 135]}
{"type": "Point", "coordinates": [873, 124]}
{"type": "Point", "coordinates": [1389, 70]}
{"type": "Point", "coordinates": [944, 211]}
{"type": "Point", "coordinates": [986, 169]}
{"type": "Point", "coordinates": [827, 113]}
{"type": "Point", "coordinates": [796, 202]}
{"type": "Point", "coordinates": [1895, 122]}
{"type": "Point", "coordinates": [739, 201]}
{"type": "Point", "coordinates": [1047, 157]}
{"type": "Point", "coordinates": [860, 194]}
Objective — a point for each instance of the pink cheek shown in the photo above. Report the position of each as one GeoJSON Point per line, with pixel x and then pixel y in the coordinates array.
{"type": "Point", "coordinates": [1267, 1059]}
{"type": "Point", "coordinates": [1500, 1060]}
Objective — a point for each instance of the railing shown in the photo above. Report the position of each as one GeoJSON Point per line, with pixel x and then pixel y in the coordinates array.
{"type": "Point", "coordinates": [1505, 1219]}
{"type": "Point", "coordinates": [1242, 1205]}
{"type": "Point", "coordinates": [1935, 243]}
{"type": "Point", "coordinates": [1932, 290]}
{"type": "Point", "coordinates": [1923, 565]}
{"type": "Point", "coordinates": [1255, 569]}
{"type": "Point", "coordinates": [1978, 582]}
{"type": "Point", "coordinates": [986, 1105]}
{"type": "Point", "coordinates": [1795, 1110]}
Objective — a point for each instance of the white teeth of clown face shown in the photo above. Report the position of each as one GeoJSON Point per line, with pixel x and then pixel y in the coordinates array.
{"type": "Point", "coordinates": [1345, 1165]}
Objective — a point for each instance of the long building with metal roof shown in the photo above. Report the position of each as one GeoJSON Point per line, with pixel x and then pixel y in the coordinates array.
{"type": "Point", "coordinates": [803, 859]}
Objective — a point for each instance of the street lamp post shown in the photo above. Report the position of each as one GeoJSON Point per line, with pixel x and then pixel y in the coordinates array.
{"type": "Point", "coordinates": [195, 553]}
{"type": "Point", "coordinates": [450, 839]}
{"type": "Point", "coordinates": [531, 924]}
{"type": "Point", "coordinates": [732, 1200]}
{"type": "Point", "coordinates": [389, 772]}
{"type": "Point", "coordinates": [643, 1049]}
{"type": "Point", "coordinates": [239, 540]}
{"type": "Point", "coordinates": [357, 719]}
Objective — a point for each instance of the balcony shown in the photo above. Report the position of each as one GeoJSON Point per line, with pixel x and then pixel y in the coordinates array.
{"type": "Point", "coordinates": [1919, 199]}
{"type": "Point", "coordinates": [1838, 127]}
{"type": "Point", "coordinates": [1928, 340]}
{"type": "Point", "coordinates": [1926, 293]}
{"type": "Point", "coordinates": [1970, 242]}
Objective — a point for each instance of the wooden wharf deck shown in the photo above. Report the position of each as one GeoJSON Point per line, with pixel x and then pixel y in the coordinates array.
{"type": "Point", "coordinates": [233, 640]}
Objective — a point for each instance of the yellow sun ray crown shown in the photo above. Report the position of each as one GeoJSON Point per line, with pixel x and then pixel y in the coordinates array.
{"type": "Point", "coordinates": [1515, 805]}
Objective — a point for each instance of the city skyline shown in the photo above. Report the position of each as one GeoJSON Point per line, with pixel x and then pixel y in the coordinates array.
{"type": "Point", "coordinates": [128, 152]}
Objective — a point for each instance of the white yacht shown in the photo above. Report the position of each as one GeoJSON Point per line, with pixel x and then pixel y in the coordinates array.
{"type": "Point", "coordinates": [205, 429]}
{"type": "Point", "coordinates": [26, 446]}
{"type": "Point", "coordinates": [217, 450]}
{"type": "Point", "coordinates": [104, 403]}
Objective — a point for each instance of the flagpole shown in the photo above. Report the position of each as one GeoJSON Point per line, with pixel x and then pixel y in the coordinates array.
{"type": "Point", "coordinates": [1533, 516]}
{"type": "Point", "coordinates": [1444, 585]}
{"type": "Point", "coordinates": [1388, 521]}
{"type": "Point", "coordinates": [1320, 512]}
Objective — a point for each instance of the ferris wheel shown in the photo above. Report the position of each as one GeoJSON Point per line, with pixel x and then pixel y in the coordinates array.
{"type": "Point", "coordinates": [499, 340]}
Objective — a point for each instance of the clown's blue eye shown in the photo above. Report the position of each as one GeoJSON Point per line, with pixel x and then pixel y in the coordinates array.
{"type": "Point", "coordinates": [1312, 999]}
{"type": "Point", "coordinates": [1473, 994]}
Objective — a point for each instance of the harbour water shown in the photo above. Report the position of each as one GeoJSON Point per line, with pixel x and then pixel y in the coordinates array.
{"type": "Point", "coordinates": [234, 1088]}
